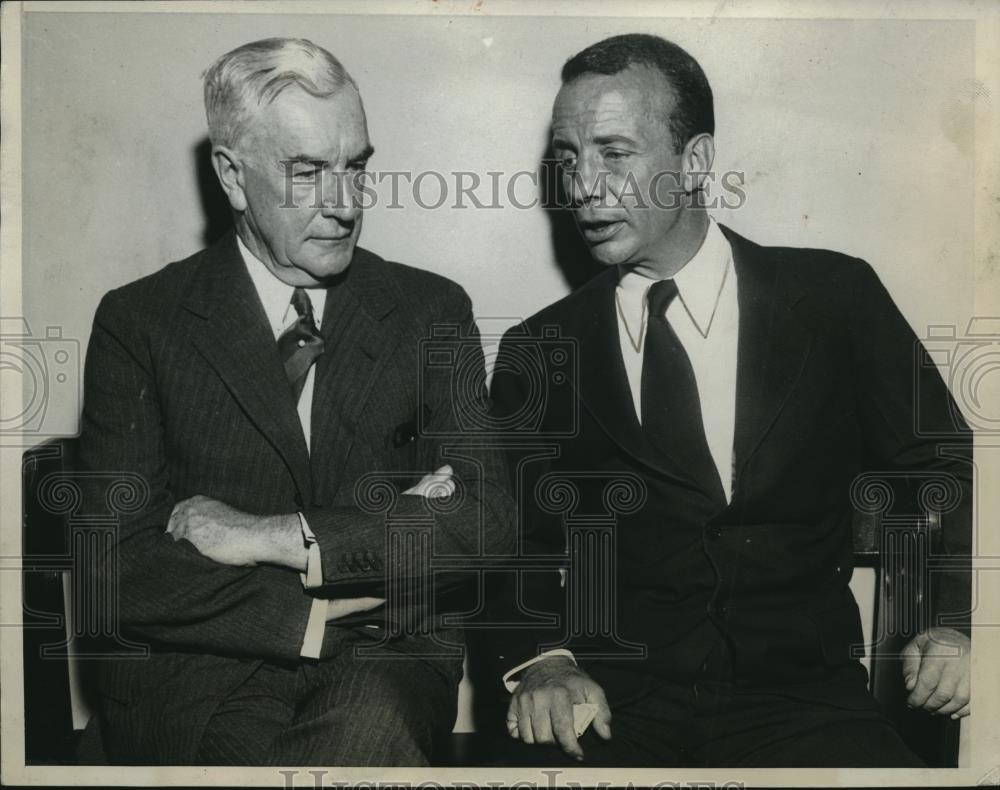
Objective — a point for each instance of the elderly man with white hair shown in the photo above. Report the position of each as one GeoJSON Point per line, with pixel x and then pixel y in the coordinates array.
{"type": "Point", "coordinates": [261, 388]}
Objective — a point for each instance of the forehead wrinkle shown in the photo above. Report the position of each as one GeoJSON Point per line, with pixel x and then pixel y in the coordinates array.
{"type": "Point", "coordinates": [602, 105]}
{"type": "Point", "coordinates": [287, 129]}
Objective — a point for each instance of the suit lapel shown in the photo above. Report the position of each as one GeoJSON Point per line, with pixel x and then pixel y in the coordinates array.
{"type": "Point", "coordinates": [604, 387]}
{"type": "Point", "coordinates": [357, 340]}
{"type": "Point", "coordinates": [231, 332]}
{"type": "Point", "coordinates": [773, 345]}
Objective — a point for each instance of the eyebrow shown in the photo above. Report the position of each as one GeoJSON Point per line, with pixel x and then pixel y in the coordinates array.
{"type": "Point", "coordinates": [614, 138]}
{"type": "Point", "coordinates": [366, 153]}
{"type": "Point", "coordinates": [606, 139]}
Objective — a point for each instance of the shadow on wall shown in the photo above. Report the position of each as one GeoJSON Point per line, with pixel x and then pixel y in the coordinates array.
{"type": "Point", "coordinates": [214, 205]}
{"type": "Point", "coordinates": [570, 251]}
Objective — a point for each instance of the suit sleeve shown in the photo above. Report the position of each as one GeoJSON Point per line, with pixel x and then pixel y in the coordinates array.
{"type": "Point", "coordinates": [165, 591]}
{"type": "Point", "coordinates": [476, 523]}
{"type": "Point", "coordinates": [527, 595]}
{"type": "Point", "coordinates": [911, 424]}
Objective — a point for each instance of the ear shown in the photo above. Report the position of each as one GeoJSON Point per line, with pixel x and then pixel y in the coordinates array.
{"type": "Point", "coordinates": [697, 158]}
{"type": "Point", "coordinates": [229, 169]}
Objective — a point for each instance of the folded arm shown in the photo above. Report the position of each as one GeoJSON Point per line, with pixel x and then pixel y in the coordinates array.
{"type": "Point", "coordinates": [167, 590]}
{"type": "Point", "coordinates": [477, 521]}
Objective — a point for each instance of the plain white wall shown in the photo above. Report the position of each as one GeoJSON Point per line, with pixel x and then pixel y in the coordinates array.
{"type": "Point", "coordinates": [854, 135]}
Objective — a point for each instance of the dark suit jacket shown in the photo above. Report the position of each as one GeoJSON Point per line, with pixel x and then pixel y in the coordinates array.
{"type": "Point", "coordinates": [828, 377]}
{"type": "Point", "coordinates": [184, 387]}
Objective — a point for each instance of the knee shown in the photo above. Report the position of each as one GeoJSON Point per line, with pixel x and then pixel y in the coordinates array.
{"type": "Point", "coordinates": [384, 733]}
{"type": "Point", "coordinates": [396, 721]}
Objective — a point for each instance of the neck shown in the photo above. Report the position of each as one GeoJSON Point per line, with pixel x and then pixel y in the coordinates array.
{"type": "Point", "coordinates": [682, 244]}
{"type": "Point", "coordinates": [288, 275]}
{"type": "Point", "coordinates": [250, 240]}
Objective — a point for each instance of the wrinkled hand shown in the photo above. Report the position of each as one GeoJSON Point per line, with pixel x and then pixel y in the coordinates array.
{"type": "Point", "coordinates": [936, 668]}
{"type": "Point", "coordinates": [541, 707]}
{"type": "Point", "coordinates": [232, 537]}
{"type": "Point", "coordinates": [437, 484]}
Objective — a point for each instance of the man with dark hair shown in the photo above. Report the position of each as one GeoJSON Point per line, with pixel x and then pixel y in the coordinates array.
{"type": "Point", "coordinates": [737, 391]}
{"type": "Point", "coordinates": [271, 393]}
{"type": "Point", "coordinates": [693, 112]}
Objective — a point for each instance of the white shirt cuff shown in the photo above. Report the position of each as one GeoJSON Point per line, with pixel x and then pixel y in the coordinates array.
{"type": "Point", "coordinates": [511, 685]}
{"type": "Point", "coordinates": [313, 577]}
{"type": "Point", "coordinates": [312, 644]}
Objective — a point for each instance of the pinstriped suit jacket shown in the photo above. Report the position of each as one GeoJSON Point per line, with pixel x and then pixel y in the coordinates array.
{"type": "Point", "coordinates": [184, 386]}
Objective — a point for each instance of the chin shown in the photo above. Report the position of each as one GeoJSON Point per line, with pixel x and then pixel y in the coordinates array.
{"type": "Point", "coordinates": [329, 267]}
{"type": "Point", "coordinates": [609, 255]}
{"type": "Point", "coordinates": [338, 266]}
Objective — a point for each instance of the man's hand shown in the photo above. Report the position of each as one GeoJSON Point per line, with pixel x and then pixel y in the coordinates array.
{"type": "Point", "coordinates": [936, 668]}
{"type": "Point", "coordinates": [541, 707]}
{"type": "Point", "coordinates": [437, 484]}
{"type": "Point", "coordinates": [232, 537]}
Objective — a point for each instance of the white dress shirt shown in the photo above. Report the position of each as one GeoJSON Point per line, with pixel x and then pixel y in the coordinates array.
{"type": "Point", "coordinates": [276, 297]}
{"type": "Point", "coordinates": [705, 318]}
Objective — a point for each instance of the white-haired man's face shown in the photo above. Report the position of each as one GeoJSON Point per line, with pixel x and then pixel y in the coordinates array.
{"type": "Point", "coordinates": [296, 189]}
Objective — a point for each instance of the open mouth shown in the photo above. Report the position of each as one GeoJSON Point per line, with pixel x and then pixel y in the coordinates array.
{"type": "Point", "coordinates": [597, 231]}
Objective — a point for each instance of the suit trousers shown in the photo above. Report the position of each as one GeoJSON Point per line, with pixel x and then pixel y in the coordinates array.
{"type": "Point", "coordinates": [387, 709]}
{"type": "Point", "coordinates": [712, 723]}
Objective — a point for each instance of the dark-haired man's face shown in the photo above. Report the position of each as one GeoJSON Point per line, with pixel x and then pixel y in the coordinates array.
{"type": "Point", "coordinates": [611, 136]}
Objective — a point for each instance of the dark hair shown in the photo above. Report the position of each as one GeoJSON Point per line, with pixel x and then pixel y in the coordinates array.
{"type": "Point", "coordinates": [693, 113]}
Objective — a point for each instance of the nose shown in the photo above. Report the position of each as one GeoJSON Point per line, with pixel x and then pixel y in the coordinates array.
{"type": "Point", "coordinates": [587, 182]}
{"type": "Point", "coordinates": [342, 197]}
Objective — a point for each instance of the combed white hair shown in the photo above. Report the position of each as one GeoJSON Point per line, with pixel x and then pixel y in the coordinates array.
{"type": "Point", "coordinates": [254, 74]}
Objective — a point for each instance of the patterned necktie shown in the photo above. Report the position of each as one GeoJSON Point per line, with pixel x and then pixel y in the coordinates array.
{"type": "Point", "coordinates": [300, 345]}
{"type": "Point", "coordinates": [671, 408]}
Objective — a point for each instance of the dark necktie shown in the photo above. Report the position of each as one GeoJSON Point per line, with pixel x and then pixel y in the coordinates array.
{"type": "Point", "coordinates": [671, 408]}
{"type": "Point", "coordinates": [300, 345]}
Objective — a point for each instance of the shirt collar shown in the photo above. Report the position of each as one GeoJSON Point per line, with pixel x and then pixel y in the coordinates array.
{"type": "Point", "coordinates": [699, 282]}
{"type": "Point", "coordinates": [275, 295]}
